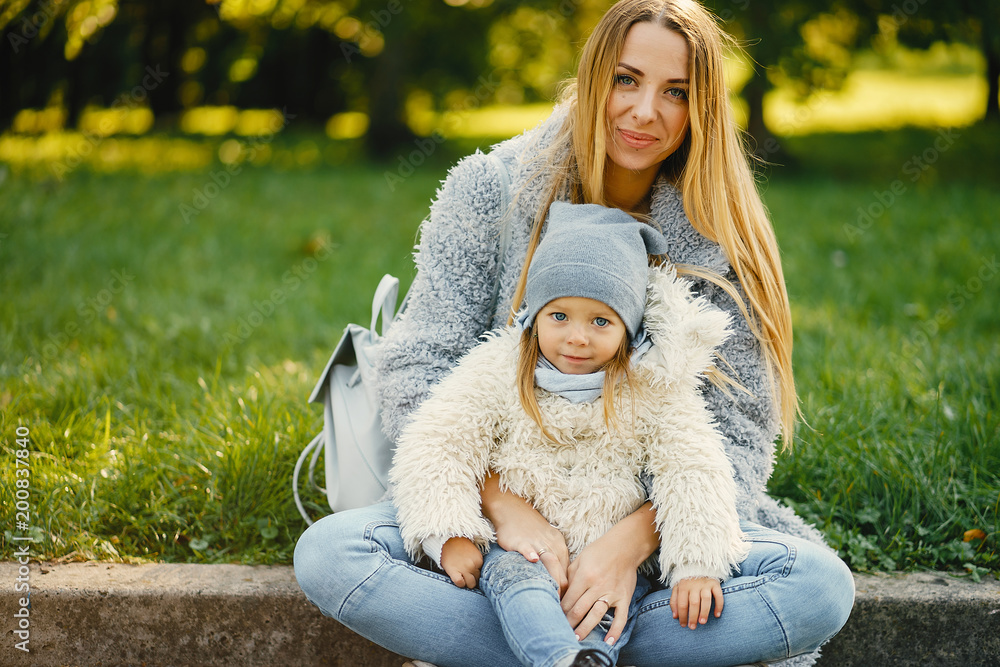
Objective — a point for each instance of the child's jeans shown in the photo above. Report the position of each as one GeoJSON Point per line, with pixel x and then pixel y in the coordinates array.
{"type": "Point", "coordinates": [526, 600]}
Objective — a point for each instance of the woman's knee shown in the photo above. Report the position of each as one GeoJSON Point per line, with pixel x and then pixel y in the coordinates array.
{"type": "Point", "coordinates": [315, 553]}
{"type": "Point", "coordinates": [329, 550]}
{"type": "Point", "coordinates": [835, 586]}
{"type": "Point", "coordinates": [828, 585]}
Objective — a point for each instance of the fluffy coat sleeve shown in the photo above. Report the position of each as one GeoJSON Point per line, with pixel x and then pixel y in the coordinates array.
{"type": "Point", "coordinates": [693, 489]}
{"type": "Point", "coordinates": [694, 496]}
{"type": "Point", "coordinates": [450, 299]}
{"type": "Point", "coordinates": [444, 451]}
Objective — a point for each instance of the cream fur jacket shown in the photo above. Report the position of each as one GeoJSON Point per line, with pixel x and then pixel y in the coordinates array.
{"type": "Point", "coordinates": [588, 481]}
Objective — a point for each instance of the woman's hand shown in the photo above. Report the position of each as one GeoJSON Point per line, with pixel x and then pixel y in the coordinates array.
{"type": "Point", "coordinates": [603, 576]}
{"type": "Point", "coordinates": [692, 598]}
{"type": "Point", "coordinates": [521, 528]}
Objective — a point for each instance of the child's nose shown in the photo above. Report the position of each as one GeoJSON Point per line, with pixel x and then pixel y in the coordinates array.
{"type": "Point", "coordinates": [577, 336]}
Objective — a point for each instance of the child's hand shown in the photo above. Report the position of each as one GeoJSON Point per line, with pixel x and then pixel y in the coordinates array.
{"type": "Point", "coordinates": [461, 560]}
{"type": "Point", "coordinates": [692, 598]}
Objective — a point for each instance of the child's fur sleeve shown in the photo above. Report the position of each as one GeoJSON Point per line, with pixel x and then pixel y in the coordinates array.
{"type": "Point", "coordinates": [694, 492]}
{"type": "Point", "coordinates": [694, 495]}
{"type": "Point", "coordinates": [443, 454]}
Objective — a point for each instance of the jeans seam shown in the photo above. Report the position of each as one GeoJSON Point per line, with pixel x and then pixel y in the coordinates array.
{"type": "Point", "coordinates": [350, 594]}
{"type": "Point", "coordinates": [372, 525]}
{"type": "Point", "coordinates": [522, 656]}
{"type": "Point", "coordinates": [559, 659]}
{"type": "Point", "coordinates": [499, 609]}
{"type": "Point", "coordinates": [777, 620]}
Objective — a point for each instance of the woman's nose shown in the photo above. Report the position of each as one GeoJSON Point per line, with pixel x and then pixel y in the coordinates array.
{"type": "Point", "coordinates": [644, 109]}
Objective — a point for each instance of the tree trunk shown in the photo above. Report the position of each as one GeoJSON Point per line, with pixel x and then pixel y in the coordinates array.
{"type": "Point", "coordinates": [753, 93]}
{"type": "Point", "coordinates": [763, 143]}
{"type": "Point", "coordinates": [161, 51]}
{"type": "Point", "coordinates": [991, 49]}
{"type": "Point", "coordinates": [76, 94]}
{"type": "Point", "coordinates": [9, 95]}
{"type": "Point", "coordinates": [387, 128]}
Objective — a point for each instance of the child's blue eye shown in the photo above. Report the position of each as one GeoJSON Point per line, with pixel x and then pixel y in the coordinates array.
{"type": "Point", "coordinates": [601, 322]}
{"type": "Point", "coordinates": [559, 317]}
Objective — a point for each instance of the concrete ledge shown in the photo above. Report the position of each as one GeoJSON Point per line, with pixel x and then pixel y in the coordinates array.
{"type": "Point", "coordinates": [925, 619]}
{"type": "Point", "coordinates": [111, 614]}
{"type": "Point", "coordinates": [161, 615]}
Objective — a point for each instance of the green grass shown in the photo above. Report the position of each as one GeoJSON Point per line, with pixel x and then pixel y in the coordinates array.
{"type": "Point", "coordinates": [166, 413]}
{"type": "Point", "coordinates": [166, 406]}
{"type": "Point", "coordinates": [896, 346]}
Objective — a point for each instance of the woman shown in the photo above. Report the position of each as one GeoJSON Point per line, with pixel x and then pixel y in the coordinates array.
{"type": "Point", "coordinates": [646, 128]}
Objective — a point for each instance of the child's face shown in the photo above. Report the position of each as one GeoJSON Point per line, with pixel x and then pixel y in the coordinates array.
{"type": "Point", "coordinates": [578, 335]}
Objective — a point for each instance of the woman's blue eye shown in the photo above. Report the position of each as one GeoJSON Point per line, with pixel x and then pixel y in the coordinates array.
{"type": "Point", "coordinates": [601, 322]}
{"type": "Point", "coordinates": [559, 317]}
{"type": "Point", "coordinates": [677, 93]}
{"type": "Point", "coordinates": [624, 79]}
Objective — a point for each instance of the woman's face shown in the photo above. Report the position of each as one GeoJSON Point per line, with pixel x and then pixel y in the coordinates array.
{"type": "Point", "coordinates": [648, 107]}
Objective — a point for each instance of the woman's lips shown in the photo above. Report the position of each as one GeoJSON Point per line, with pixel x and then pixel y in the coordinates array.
{"type": "Point", "coordinates": [636, 139]}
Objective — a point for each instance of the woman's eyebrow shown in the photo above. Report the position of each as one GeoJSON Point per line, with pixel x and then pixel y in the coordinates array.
{"type": "Point", "coordinates": [639, 72]}
{"type": "Point", "coordinates": [635, 71]}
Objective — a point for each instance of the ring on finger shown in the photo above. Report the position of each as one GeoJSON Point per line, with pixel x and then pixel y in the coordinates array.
{"type": "Point", "coordinates": [602, 599]}
{"type": "Point", "coordinates": [541, 551]}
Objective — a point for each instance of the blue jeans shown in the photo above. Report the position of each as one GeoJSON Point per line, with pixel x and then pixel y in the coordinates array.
{"type": "Point", "coordinates": [525, 599]}
{"type": "Point", "coordinates": [789, 597]}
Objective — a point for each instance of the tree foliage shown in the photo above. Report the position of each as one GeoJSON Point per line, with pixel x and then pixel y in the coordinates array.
{"type": "Point", "coordinates": [920, 23]}
{"type": "Point", "coordinates": [396, 59]}
{"type": "Point", "coordinates": [312, 57]}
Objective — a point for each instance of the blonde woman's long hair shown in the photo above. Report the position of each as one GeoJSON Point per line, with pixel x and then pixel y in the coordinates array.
{"type": "Point", "coordinates": [711, 168]}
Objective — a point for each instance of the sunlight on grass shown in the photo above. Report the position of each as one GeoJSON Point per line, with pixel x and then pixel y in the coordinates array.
{"type": "Point", "coordinates": [59, 153]}
{"type": "Point", "coordinates": [107, 122]}
{"type": "Point", "coordinates": [39, 121]}
{"type": "Point", "coordinates": [879, 100]}
{"type": "Point", "coordinates": [347, 125]}
{"type": "Point", "coordinates": [216, 121]}
{"type": "Point", "coordinates": [494, 121]}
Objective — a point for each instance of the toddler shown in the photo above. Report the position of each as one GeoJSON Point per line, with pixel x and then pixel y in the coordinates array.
{"type": "Point", "coordinates": [588, 407]}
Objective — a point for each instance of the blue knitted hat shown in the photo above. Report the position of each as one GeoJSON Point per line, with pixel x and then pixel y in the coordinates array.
{"type": "Point", "coordinates": [595, 252]}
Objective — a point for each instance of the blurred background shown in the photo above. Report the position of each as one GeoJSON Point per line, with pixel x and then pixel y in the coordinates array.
{"type": "Point", "coordinates": [196, 196]}
{"type": "Point", "coordinates": [387, 71]}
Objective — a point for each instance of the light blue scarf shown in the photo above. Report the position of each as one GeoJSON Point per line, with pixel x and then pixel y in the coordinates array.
{"type": "Point", "coordinates": [579, 388]}
{"type": "Point", "coordinates": [574, 388]}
